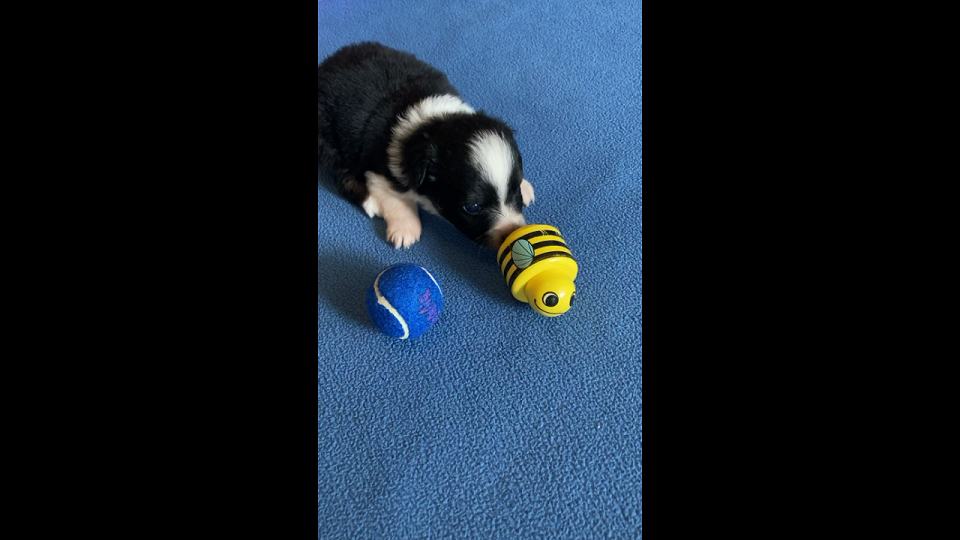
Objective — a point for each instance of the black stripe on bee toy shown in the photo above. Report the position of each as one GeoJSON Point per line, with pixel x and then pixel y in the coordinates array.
{"type": "Point", "coordinates": [538, 258]}
{"type": "Point", "coordinates": [539, 247]}
{"type": "Point", "coordinates": [534, 234]}
{"type": "Point", "coordinates": [550, 243]}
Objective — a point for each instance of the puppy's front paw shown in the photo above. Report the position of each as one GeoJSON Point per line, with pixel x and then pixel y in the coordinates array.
{"type": "Point", "coordinates": [526, 189]}
{"type": "Point", "coordinates": [404, 232]}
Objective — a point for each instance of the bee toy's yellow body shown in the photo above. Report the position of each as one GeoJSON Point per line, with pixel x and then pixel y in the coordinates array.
{"type": "Point", "coordinates": [540, 269]}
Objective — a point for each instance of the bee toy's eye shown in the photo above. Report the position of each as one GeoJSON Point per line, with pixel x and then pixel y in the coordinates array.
{"type": "Point", "coordinates": [473, 209]}
{"type": "Point", "coordinates": [573, 298]}
{"type": "Point", "coordinates": [551, 299]}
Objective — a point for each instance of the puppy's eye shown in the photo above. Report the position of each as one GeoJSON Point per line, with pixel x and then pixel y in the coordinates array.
{"type": "Point", "coordinates": [473, 209]}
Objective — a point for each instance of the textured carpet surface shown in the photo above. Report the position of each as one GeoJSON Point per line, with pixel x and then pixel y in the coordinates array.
{"type": "Point", "coordinates": [498, 423]}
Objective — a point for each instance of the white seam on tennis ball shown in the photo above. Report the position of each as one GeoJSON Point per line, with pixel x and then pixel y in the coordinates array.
{"type": "Point", "coordinates": [385, 303]}
{"type": "Point", "coordinates": [439, 288]}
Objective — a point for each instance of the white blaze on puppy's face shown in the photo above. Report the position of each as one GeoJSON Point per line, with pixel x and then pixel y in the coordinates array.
{"type": "Point", "coordinates": [493, 158]}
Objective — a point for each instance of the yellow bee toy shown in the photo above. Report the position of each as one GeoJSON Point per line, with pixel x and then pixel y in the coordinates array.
{"type": "Point", "coordinates": [540, 269]}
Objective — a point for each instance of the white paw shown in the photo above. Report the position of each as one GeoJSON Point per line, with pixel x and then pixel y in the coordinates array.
{"type": "Point", "coordinates": [526, 189]}
{"type": "Point", "coordinates": [405, 232]}
{"type": "Point", "coordinates": [371, 207]}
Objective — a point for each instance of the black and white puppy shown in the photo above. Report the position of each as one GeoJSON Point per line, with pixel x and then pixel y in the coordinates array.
{"type": "Point", "coordinates": [396, 135]}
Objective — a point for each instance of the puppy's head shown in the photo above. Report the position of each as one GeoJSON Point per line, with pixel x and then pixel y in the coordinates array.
{"type": "Point", "coordinates": [469, 167]}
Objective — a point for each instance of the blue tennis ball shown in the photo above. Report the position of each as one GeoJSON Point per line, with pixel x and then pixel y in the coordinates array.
{"type": "Point", "coordinates": [405, 301]}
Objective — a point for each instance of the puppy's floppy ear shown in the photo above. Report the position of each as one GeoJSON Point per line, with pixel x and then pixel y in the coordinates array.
{"type": "Point", "coordinates": [425, 167]}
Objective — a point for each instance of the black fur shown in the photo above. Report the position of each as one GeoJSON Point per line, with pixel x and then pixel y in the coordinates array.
{"type": "Point", "coordinates": [361, 91]}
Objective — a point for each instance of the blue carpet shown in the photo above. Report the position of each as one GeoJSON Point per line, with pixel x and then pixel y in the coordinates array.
{"type": "Point", "coordinates": [498, 423]}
